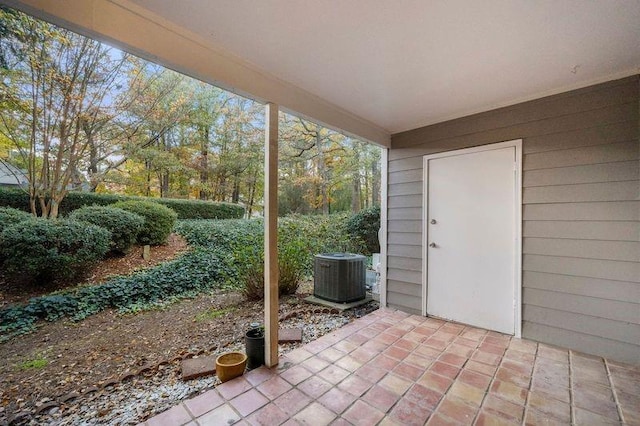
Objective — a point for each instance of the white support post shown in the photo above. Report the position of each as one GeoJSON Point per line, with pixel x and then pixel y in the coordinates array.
{"type": "Point", "coordinates": [384, 174]}
{"type": "Point", "coordinates": [271, 235]}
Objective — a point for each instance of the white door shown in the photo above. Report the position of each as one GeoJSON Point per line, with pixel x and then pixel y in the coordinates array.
{"type": "Point", "coordinates": [472, 236]}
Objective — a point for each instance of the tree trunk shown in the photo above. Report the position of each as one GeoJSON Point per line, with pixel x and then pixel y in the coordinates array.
{"type": "Point", "coordinates": [375, 184]}
{"type": "Point", "coordinates": [355, 191]}
{"type": "Point", "coordinates": [164, 184]}
{"type": "Point", "coordinates": [204, 164]}
{"type": "Point", "coordinates": [366, 188]}
{"type": "Point", "coordinates": [322, 171]}
{"type": "Point", "coordinates": [147, 189]}
{"type": "Point", "coordinates": [252, 194]}
{"type": "Point", "coordinates": [92, 168]}
{"type": "Point", "coordinates": [235, 195]}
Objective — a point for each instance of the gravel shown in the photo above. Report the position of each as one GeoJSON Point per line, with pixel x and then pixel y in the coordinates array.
{"type": "Point", "coordinates": [151, 393]}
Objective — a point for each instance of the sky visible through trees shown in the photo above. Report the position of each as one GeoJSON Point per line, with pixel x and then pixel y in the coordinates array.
{"type": "Point", "coordinates": [79, 115]}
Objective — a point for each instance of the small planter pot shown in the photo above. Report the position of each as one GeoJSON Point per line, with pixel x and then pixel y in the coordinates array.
{"type": "Point", "coordinates": [254, 346]}
{"type": "Point", "coordinates": [230, 365]}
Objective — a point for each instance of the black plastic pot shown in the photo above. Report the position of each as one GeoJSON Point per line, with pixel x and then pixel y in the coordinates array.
{"type": "Point", "coordinates": [254, 345]}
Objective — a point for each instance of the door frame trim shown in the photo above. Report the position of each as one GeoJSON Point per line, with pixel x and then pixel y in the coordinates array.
{"type": "Point", "coordinates": [517, 144]}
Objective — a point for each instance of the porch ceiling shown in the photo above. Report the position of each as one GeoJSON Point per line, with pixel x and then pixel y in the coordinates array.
{"type": "Point", "coordinates": [375, 67]}
{"type": "Point", "coordinates": [405, 64]}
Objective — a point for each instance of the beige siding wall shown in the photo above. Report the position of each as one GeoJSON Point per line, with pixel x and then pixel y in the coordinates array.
{"type": "Point", "coordinates": [581, 213]}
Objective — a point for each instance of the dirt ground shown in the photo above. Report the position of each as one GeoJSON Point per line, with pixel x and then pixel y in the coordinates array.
{"type": "Point", "coordinates": [66, 357]}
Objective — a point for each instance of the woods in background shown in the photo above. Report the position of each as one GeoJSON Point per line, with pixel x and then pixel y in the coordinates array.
{"type": "Point", "coordinates": [76, 114]}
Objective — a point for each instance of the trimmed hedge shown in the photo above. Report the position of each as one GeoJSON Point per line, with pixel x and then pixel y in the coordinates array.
{"type": "Point", "coordinates": [123, 225]}
{"type": "Point", "coordinates": [186, 209]}
{"type": "Point", "coordinates": [10, 216]}
{"type": "Point", "coordinates": [158, 220]}
{"type": "Point", "coordinates": [185, 277]}
{"type": "Point", "coordinates": [38, 250]}
{"type": "Point", "coordinates": [198, 209]}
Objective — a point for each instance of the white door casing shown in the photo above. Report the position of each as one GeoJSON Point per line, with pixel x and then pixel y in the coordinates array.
{"type": "Point", "coordinates": [472, 236]}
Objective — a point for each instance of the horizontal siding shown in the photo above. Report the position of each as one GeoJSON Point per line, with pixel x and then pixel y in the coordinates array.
{"type": "Point", "coordinates": [401, 287]}
{"type": "Point", "coordinates": [412, 277]}
{"type": "Point", "coordinates": [404, 263]}
{"type": "Point", "coordinates": [581, 211]}
{"type": "Point", "coordinates": [410, 213]}
{"type": "Point", "coordinates": [582, 230]}
{"type": "Point", "coordinates": [610, 191]}
{"type": "Point", "coordinates": [592, 306]}
{"type": "Point", "coordinates": [591, 268]}
{"type": "Point", "coordinates": [579, 156]}
{"type": "Point", "coordinates": [408, 188]}
{"type": "Point", "coordinates": [407, 238]}
{"type": "Point", "coordinates": [411, 252]}
{"type": "Point", "coordinates": [564, 123]}
{"type": "Point", "coordinates": [404, 201]}
{"type": "Point", "coordinates": [581, 137]}
{"type": "Point", "coordinates": [405, 176]}
{"type": "Point", "coordinates": [615, 330]}
{"type": "Point", "coordinates": [404, 301]}
{"type": "Point", "coordinates": [570, 103]}
{"type": "Point", "coordinates": [606, 211]}
{"type": "Point", "coordinates": [600, 135]}
{"type": "Point", "coordinates": [593, 173]}
{"type": "Point", "coordinates": [406, 164]}
{"type": "Point", "coordinates": [405, 226]}
{"type": "Point", "coordinates": [628, 251]}
{"type": "Point", "coordinates": [623, 291]}
{"type": "Point", "coordinates": [597, 345]}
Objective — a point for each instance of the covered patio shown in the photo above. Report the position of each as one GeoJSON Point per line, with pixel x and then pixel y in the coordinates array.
{"type": "Point", "coordinates": [559, 81]}
{"type": "Point", "coordinates": [393, 368]}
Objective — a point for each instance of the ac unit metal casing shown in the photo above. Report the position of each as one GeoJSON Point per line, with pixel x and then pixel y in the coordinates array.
{"type": "Point", "coordinates": [339, 277]}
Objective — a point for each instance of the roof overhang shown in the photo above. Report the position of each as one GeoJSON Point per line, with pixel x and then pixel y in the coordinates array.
{"type": "Point", "coordinates": [136, 30]}
{"type": "Point", "coordinates": [371, 68]}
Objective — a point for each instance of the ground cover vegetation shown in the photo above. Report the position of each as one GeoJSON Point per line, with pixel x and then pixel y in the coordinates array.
{"type": "Point", "coordinates": [223, 253]}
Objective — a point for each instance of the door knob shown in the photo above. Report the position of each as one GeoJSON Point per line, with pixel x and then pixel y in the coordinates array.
{"type": "Point", "coordinates": [432, 245]}
{"type": "Point", "coordinates": [433, 221]}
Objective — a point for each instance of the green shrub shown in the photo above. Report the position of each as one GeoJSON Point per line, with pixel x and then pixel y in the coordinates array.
{"type": "Point", "coordinates": [198, 209]}
{"type": "Point", "coordinates": [16, 198]}
{"type": "Point", "coordinates": [364, 227]}
{"type": "Point", "coordinates": [10, 216]}
{"type": "Point", "coordinates": [226, 234]}
{"type": "Point", "coordinates": [292, 258]}
{"type": "Point", "coordinates": [41, 249]}
{"type": "Point", "coordinates": [123, 225]}
{"type": "Point", "coordinates": [186, 209]}
{"type": "Point", "coordinates": [190, 274]}
{"type": "Point", "coordinates": [158, 220]}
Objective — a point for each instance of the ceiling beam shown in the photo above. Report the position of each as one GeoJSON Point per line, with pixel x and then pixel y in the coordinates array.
{"type": "Point", "coordinates": [142, 33]}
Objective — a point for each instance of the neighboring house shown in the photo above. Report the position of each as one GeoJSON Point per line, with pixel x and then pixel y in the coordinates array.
{"type": "Point", "coordinates": [538, 236]}
{"type": "Point", "coordinates": [11, 176]}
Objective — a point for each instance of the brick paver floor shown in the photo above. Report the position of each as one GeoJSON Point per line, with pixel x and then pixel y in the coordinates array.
{"type": "Point", "coordinates": [391, 368]}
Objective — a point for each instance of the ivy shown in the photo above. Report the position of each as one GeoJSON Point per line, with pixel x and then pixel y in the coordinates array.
{"type": "Point", "coordinates": [220, 252]}
{"type": "Point", "coordinates": [192, 273]}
